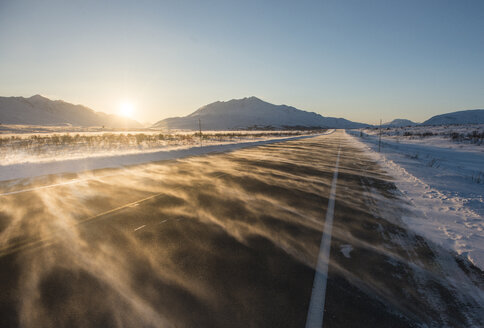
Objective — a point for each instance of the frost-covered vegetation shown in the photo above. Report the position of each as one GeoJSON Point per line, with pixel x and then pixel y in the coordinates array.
{"type": "Point", "coordinates": [467, 133]}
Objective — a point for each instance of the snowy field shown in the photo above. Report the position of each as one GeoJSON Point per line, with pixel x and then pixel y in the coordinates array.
{"type": "Point", "coordinates": [442, 177]}
{"type": "Point", "coordinates": [30, 152]}
{"type": "Point", "coordinates": [461, 137]}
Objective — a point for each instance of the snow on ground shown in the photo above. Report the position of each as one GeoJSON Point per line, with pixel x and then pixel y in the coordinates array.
{"type": "Point", "coordinates": [77, 162]}
{"type": "Point", "coordinates": [469, 137]}
{"type": "Point", "coordinates": [444, 185]}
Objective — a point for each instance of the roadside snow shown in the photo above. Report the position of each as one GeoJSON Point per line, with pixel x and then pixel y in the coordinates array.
{"type": "Point", "coordinates": [445, 188]}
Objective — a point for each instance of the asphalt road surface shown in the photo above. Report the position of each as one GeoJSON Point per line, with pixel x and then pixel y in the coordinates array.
{"type": "Point", "coordinates": [228, 240]}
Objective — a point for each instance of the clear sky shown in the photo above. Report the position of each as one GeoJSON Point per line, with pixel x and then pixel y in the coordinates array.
{"type": "Point", "coordinates": [362, 60]}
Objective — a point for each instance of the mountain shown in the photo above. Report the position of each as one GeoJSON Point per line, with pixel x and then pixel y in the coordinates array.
{"type": "Point", "coordinates": [472, 116]}
{"type": "Point", "coordinates": [250, 113]}
{"type": "Point", "coordinates": [38, 110]}
{"type": "Point", "coordinates": [399, 122]}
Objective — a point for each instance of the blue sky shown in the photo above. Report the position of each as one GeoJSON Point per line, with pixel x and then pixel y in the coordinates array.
{"type": "Point", "coordinates": [362, 60]}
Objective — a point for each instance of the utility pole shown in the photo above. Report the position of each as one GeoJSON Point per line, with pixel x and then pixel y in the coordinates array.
{"type": "Point", "coordinates": [200, 129]}
{"type": "Point", "coordinates": [379, 138]}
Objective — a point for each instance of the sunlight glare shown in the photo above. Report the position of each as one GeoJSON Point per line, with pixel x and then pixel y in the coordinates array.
{"type": "Point", "coordinates": [126, 109]}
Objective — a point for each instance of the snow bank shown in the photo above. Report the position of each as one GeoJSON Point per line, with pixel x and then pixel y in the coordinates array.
{"type": "Point", "coordinates": [445, 188]}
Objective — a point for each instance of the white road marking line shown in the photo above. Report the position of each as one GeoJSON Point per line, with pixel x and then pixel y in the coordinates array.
{"type": "Point", "coordinates": [57, 184]}
{"type": "Point", "coordinates": [318, 295]}
{"type": "Point", "coordinates": [141, 227]}
{"type": "Point", "coordinates": [41, 187]}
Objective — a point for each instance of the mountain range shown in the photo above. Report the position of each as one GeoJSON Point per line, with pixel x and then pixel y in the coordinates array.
{"type": "Point", "coordinates": [253, 112]}
{"type": "Point", "coordinates": [38, 110]}
{"type": "Point", "coordinates": [246, 113]}
{"type": "Point", "coordinates": [472, 116]}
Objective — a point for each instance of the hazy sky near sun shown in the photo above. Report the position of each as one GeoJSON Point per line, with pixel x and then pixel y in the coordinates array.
{"type": "Point", "coordinates": [362, 60]}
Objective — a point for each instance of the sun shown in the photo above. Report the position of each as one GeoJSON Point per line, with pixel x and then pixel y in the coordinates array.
{"type": "Point", "coordinates": [126, 109]}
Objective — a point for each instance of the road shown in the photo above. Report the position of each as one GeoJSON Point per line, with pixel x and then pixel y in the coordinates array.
{"type": "Point", "coordinates": [227, 240]}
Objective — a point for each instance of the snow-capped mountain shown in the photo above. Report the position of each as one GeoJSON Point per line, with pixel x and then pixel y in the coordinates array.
{"type": "Point", "coordinates": [399, 122]}
{"type": "Point", "coordinates": [473, 116]}
{"type": "Point", "coordinates": [38, 110]}
{"type": "Point", "coordinates": [252, 112]}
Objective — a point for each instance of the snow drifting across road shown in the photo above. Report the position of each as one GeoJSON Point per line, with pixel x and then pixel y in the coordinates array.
{"type": "Point", "coordinates": [443, 188]}
{"type": "Point", "coordinates": [114, 160]}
